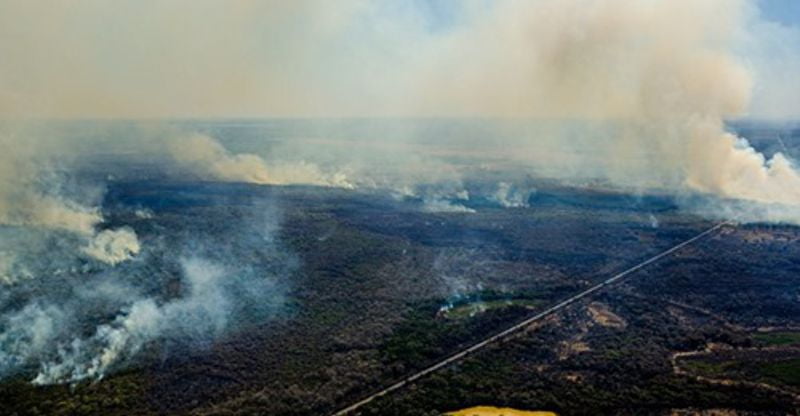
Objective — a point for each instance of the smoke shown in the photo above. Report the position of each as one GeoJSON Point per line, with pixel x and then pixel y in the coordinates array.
{"type": "Point", "coordinates": [205, 156]}
{"type": "Point", "coordinates": [113, 246]}
{"type": "Point", "coordinates": [77, 360]}
{"type": "Point", "coordinates": [81, 299]}
{"type": "Point", "coordinates": [438, 204]}
{"type": "Point", "coordinates": [25, 196]}
{"type": "Point", "coordinates": [68, 322]}
{"type": "Point", "coordinates": [510, 197]}
{"type": "Point", "coordinates": [202, 156]}
{"type": "Point", "coordinates": [661, 96]}
{"type": "Point", "coordinates": [49, 212]}
{"type": "Point", "coordinates": [459, 272]}
{"type": "Point", "coordinates": [665, 93]}
{"type": "Point", "coordinates": [634, 92]}
{"type": "Point", "coordinates": [34, 194]}
{"type": "Point", "coordinates": [172, 59]}
{"type": "Point", "coordinates": [203, 311]}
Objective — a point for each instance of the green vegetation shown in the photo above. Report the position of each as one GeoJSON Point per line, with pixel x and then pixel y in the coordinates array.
{"type": "Point", "coordinates": [706, 368]}
{"type": "Point", "coordinates": [364, 310]}
{"type": "Point", "coordinates": [785, 372]}
{"type": "Point", "coordinates": [471, 309]}
{"type": "Point", "coordinates": [115, 395]}
{"type": "Point", "coordinates": [424, 335]}
{"type": "Point", "coordinates": [748, 366]}
{"type": "Point", "coordinates": [778, 338]}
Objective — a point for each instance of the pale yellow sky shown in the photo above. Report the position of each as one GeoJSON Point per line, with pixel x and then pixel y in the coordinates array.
{"type": "Point", "coordinates": [161, 59]}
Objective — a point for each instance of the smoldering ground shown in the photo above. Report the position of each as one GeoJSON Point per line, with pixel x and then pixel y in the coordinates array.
{"type": "Point", "coordinates": [174, 273]}
{"type": "Point", "coordinates": [606, 90]}
{"type": "Point", "coordinates": [66, 317]}
{"type": "Point", "coordinates": [90, 283]}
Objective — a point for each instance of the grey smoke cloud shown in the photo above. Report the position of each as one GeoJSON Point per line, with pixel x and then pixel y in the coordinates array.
{"type": "Point", "coordinates": [113, 246]}
{"type": "Point", "coordinates": [58, 337]}
{"type": "Point", "coordinates": [509, 196]}
{"type": "Point", "coordinates": [52, 221]}
{"type": "Point", "coordinates": [32, 194]}
{"type": "Point", "coordinates": [359, 58]}
{"type": "Point", "coordinates": [203, 156]}
{"type": "Point", "coordinates": [639, 90]}
{"type": "Point", "coordinates": [168, 59]}
{"type": "Point", "coordinates": [668, 91]}
{"type": "Point", "coordinates": [202, 312]}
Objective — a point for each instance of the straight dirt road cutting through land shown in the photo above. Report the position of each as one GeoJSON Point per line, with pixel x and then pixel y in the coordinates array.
{"type": "Point", "coordinates": [521, 325]}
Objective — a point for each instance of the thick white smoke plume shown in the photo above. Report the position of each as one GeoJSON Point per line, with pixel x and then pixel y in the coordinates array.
{"type": "Point", "coordinates": [438, 204]}
{"type": "Point", "coordinates": [113, 246]}
{"type": "Point", "coordinates": [634, 92]}
{"type": "Point", "coordinates": [25, 200]}
{"type": "Point", "coordinates": [32, 195]}
{"type": "Point", "coordinates": [55, 305]}
{"type": "Point", "coordinates": [202, 311]}
{"type": "Point", "coordinates": [667, 91]}
{"type": "Point", "coordinates": [666, 74]}
{"type": "Point", "coordinates": [509, 196]}
{"type": "Point", "coordinates": [84, 323]}
{"type": "Point", "coordinates": [206, 157]}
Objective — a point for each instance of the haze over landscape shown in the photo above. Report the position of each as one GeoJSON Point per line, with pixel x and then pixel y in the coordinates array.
{"type": "Point", "coordinates": [277, 207]}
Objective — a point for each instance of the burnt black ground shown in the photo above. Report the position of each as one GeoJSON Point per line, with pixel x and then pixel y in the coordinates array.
{"type": "Point", "coordinates": [365, 276]}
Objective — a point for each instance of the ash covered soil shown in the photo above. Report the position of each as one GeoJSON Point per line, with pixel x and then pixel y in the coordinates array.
{"type": "Point", "coordinates": [374, 287]}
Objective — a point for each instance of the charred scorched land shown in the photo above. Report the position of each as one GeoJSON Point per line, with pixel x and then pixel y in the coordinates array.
{"type": "Point", "coordinates": [348, 291]}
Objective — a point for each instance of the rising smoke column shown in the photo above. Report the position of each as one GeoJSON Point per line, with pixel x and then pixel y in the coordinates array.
{"type": "Point", "coordinates": [69, 319]}
{"type": "Point", "coordinates": [32, 194]}
{"type": "Point", "coordinates": [203, 156]}
{"type": "Point", "coordinates": [663, 73]}
{"type": "Point", "coordinates": [203, 312]}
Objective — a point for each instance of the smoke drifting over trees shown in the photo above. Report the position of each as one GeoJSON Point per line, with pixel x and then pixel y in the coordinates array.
{"type": "Point", "coordinates": [81, 299]}
{"type": "Point", "coordinates": [668, 74]}
{"type": "Point", "coordinates": [655, 81]}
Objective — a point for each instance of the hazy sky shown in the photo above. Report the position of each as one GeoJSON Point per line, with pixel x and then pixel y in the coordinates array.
{"type": "Point", "coordinates": [204, 58]}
